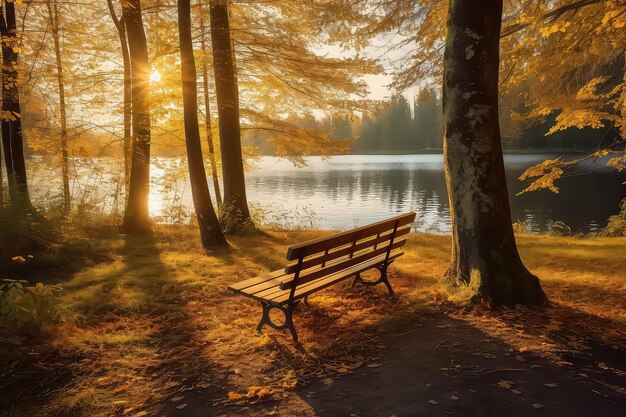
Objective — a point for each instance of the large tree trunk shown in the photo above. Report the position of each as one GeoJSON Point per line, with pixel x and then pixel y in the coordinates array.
{"type": "Point", "coordinates": [484, 253]}
{"type": "Point", "coordinates": [136, 217]}
{"type": "Point", "coordinates": [128, 147]}
{"type": "Point", "coordinates": [210, 230]}
{"type": "Point", "coordinates": [53, 13]}
{"type": "Point", "coordinates": [12, 140]}
{"type": "Point", "coordinates": [235, 202]}
{"type": "Point", "coordinates": [207, 112]}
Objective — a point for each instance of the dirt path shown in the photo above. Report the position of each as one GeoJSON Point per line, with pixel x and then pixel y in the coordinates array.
{"type": "Point", "coordinates": [443, 366]}
{"type": "Point", "coordinates": [435, 365]}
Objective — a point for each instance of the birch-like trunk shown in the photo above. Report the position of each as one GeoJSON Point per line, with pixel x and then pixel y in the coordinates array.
{"type": "Point", "coordinates": [207, 112]}
{"type": "Point", "coordinates": [53, 13]}
{"type": "Point", "coordinates": [127, 105]}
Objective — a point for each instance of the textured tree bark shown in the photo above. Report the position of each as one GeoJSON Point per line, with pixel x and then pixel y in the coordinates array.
{"type": "Point", "coordinates": [210, 230]}
{"type": "Point", "coordinates": [207, 112]}
{"type": "Point", "coordinates": [12, 140]}
{"type": "Point", "coordinates": [53, 13]}
{"type": "Point", "coordinates": [136, 217]}
{"type": "Point", "coordinates": [484, 253]}
{"type": "Point", "coordinates": [128, 147]}
{"type": "Point", "coordinates": [235, 201]}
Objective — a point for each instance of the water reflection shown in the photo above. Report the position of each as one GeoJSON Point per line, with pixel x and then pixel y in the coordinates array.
{"type": "Point", "coordinates": [343, 192]}
{"type": "Point", "coordinates": [352, 189]}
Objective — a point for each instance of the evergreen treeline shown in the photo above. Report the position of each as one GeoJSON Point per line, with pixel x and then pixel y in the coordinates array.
{"type": "Point", "coordinates": [404, 129]}
{"type": "Point", "coordinates": [398, 130]}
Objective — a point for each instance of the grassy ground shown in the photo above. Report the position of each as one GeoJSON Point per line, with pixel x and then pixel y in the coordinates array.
{"type": "Point", "coordinates": [151, 329]}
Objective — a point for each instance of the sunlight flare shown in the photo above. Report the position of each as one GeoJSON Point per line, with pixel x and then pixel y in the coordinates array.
{"type": "Point", "coordinates": [155, 76]}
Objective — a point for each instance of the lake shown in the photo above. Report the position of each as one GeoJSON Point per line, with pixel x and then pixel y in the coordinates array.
{"type": "Point", "coordinates": [345, 191]}
{"type": "Point", "coordinates": [350, 190]}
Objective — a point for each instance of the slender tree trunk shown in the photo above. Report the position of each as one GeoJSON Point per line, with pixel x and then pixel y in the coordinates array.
{"type": "Point", "coordinates": [235, 201]}
{"type": "Point", "coordinates": [210, 231]}
{"type": "Point", "coordinates": [484, 253]}
{"type": "Point", "coordinates": [53, 12]}
{"type": "Point", "coordinates": [128, 138]}
{"type": "Point", "coordinates": [623, 108]}
{"type": "Point", "coordinates": [12, 140]}
{"type": "Point", "coordinates": [1, 176]}
{"type": "Point", "coordinates": [128, 144]}
{"type": "Point", "coordinates": [136, 217]}
{"type": "Point", "coordinates": [207, 112]}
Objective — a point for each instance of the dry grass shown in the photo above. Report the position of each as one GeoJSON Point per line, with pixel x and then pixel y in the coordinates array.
{"type": "Point", "coordinates": [157, 321]}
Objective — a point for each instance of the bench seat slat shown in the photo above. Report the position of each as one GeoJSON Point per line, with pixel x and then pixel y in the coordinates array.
{"type": "Point", "coordinates": [240, 286]}
{"type": "Point", "coordinates": [263, 286]}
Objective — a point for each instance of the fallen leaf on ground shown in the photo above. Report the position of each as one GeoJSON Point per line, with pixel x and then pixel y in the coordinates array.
{"type": "Point", "coordinates": [505, 384]}
{"type": "Point", "coordinates": [516, 391]}
{"type": "Point", "coordinates": [537, 405]}
{"type": "Point", "coordinates": [233, 396]}
{"type": "Point", "coordinates": [176, 399]}
{"type": "Point", "coordinates": [520, 359]}
{"type": "Point", "coordinates": [551, 385]}
{"type": "Point", "coordinates": [180, 407]}
{"type": "Point", "coordinates": [454, 397]}
{"type": "Point", "coordinates": [433, 402]}
{"type": "Point", "coordinates": [170, 384]}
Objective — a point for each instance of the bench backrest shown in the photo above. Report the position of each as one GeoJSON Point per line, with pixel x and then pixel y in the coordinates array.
{"type": "Point", "coordinates": [324, 256]}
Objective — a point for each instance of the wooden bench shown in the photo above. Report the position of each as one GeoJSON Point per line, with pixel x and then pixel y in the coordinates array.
{"type": "Point", "coordinates": [320, 263]}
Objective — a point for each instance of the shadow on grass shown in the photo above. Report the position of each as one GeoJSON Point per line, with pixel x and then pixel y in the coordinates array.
{"type": "Point", "coordinates": [134, 348]}
{"type": "Point", "coordinates": [159, 333]}
{"type": "Point", "coordinates": [437, 365]}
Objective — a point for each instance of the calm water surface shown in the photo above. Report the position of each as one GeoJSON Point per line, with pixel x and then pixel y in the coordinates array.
{"type": "Point", "coordinates": [346, 191]}
{"type": "Point", "coordinates": [351, 190]}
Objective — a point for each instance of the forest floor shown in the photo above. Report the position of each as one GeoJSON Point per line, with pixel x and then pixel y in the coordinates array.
{"type": "Point", "coordinates": [150, 329]}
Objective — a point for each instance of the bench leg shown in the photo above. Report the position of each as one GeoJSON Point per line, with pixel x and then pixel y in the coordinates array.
{"type": "Point", "coordinates": [358, 280]}
{"type": "Point", "coordinates": [288, 324]}
{"type": "Point", "coordinates": [381, 280]}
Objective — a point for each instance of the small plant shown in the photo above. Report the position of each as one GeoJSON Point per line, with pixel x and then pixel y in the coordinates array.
{"type": "Point", "coordinates": [560, 228]}
{"type": "Point", "coordinates": [520, 227]}
{"type": "Point", "coordinates": [617, 224]}
{"type": "Point", "coordinates": [274, 217]}
{"type": "Point", "coordinates": [25, 309]}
